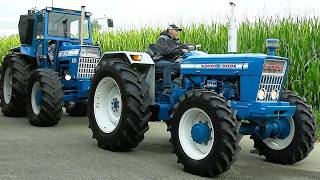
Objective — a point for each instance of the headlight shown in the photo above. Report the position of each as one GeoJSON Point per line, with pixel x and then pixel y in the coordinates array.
{"type": "Point", "coordinates": [275, 94]}
{"type": "Point", "coordinates": [70, 52]}
{"type": "Point", "coordinates": [262, 94]}
{"type": "Point", "coordinates": [90, 52]}
{"type": "Point", "coordinates": [67, 77]}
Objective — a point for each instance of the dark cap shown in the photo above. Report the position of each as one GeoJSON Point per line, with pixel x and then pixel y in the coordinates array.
{"type": "Point", "coordinates": [175, 27]}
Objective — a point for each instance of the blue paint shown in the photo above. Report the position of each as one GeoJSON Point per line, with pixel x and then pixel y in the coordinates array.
{"type": "Point", "coordinates": [201, 133]}
{"type": "Point", "coordinates": [279, 129]}
{"type": "Point", "coordinates": [259, 110]}
{"type": "Point", "coordinates": [164, 111]}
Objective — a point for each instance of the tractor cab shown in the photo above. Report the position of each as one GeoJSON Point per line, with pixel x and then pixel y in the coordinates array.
{"type": "Point", "coordinates": [61, 39]}
{"type": "Point", "coordinates": [40, 29]}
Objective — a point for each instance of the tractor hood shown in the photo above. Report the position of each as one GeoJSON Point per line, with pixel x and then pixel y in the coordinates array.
{"type": "Point", "coordinates": [198, 62]}
{"type": "Point", "coordinates": [254, 70]}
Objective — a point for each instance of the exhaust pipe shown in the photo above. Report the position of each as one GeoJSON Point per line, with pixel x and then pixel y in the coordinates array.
{"type": "Point", "coordinates": [232, 32]}
{"type": "Point", "coordinates": [81, 24]}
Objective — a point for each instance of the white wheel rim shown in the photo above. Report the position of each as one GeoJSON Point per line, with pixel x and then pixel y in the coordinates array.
{"type": "Point", "coordinates": [279, 144]}
{"type": "Point", "coordinates": [7, 85]}
{"type": "Point", "coordinates": [35, 106]}
{"type": "Point", "coordinates": [106, 114]}
{"type": "Point", "coordinates": [188, 120]}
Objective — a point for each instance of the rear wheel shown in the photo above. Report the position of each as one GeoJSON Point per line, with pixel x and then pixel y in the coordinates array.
{"type": "Point", "coordinates": [204, 134]}
{"type": "Point", "coordinates": [45, 98]}
{"type": "Point", "coordinates": [14, 76]}
{"type": "Point", "coordinates": [118, 105]}
{"type": "Point", "coordinates": [300, 140]}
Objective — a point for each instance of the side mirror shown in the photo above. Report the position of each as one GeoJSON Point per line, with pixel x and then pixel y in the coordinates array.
{"type": "Point", "coordinates": [110, 22]}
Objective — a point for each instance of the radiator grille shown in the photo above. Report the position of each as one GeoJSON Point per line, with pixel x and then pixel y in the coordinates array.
{"type": "Point", "coordinates": [269, 83]}
{"type": "Point", "coordinates": [272, 77]}
{"type": "Point", "coordinates": [86, 67]}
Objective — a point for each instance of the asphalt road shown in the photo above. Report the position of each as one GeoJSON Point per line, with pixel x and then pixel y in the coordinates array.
{"type": "Point", "coordinates": [67, 151]}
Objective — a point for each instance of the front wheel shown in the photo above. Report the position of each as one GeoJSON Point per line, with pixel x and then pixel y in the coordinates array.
{"type": "Point", "coordinates": [45, 98]}
{"type": "Point", "coordinates": [204, 134]}
{"type": "Point", "coordinates": [299, 141]}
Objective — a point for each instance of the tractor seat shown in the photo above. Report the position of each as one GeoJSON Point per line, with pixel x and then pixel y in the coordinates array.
{"type": "Point", "coordinates": [153, 51]}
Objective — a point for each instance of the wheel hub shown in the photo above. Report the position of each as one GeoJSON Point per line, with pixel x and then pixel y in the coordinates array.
{"type": "Point", "coordinates": [284, 127]}
{"type": "Point", "coordinates": [196, 133]}
{"type": "Point", "coordinates": [115, 105]}
{"type": "Point", "coordinates": [201, 132]}
{"type": "Point", "coordinates": [282, 137]}
{"type": "Point", "coordinates": [280, 129]}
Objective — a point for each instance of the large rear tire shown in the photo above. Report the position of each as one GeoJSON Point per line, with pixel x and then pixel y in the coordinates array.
{"type": "Point", "coordinates": [118, 105]}
{"type": "Point", "coordinates": [300, 141]}
{"type": "Point", "coordinates": [45, 98]}
{"type": "Point", "coordinates": [14, 77]}
{"type": "Point", "coordinates": [213, 149]}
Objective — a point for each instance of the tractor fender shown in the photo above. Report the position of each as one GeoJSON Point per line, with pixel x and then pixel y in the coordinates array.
{"type": "Point", "coordinates": [126, 55]}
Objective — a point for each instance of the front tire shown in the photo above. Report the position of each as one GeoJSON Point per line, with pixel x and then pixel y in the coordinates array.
{"type": "Point", "coordinates": [204, 152]}
{"type": "Point", "coordinates": [300, 141]}
{"type": "Point", "coordinates": [14, 77]}
{"type": "Point", "coordinates": [118, 105]}
{"type": "Point", "coordinates": [45, 98]}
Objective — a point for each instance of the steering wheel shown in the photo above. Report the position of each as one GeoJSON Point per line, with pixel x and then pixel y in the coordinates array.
{"type": "Point", "coordinates": [190, 47]}
{"type": "Point", "coordinates": [178, 47]}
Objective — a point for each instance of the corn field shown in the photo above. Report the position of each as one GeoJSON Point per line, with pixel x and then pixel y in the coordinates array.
{"type": "Point", "coordinates": [300, 42]}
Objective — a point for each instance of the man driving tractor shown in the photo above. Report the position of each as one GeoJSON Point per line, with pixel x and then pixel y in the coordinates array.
{"type": "Point", "coordinates": [169, 48]}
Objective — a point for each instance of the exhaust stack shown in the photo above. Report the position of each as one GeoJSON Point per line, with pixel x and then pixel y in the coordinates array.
{"type": "Point", "coordinates": [81, 24]}
{"type": "Point", "coordinates": [232, 32]}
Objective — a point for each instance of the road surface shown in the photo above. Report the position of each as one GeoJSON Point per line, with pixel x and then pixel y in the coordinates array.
{"type": "Point", "coordinates": [67, 151]}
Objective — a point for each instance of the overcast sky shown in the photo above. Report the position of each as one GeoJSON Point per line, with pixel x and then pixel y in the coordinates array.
{"type": "Point", "coordinates": [140, 13]}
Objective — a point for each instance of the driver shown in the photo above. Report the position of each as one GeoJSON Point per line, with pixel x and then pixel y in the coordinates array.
{"type": "Point", "coordinates": [170, 49]}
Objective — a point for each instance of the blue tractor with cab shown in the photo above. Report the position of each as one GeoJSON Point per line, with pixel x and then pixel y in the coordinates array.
{"type": "Point", "coordinates": [214, 100]}
{"type": "Point", "coordinates": [51, 68]}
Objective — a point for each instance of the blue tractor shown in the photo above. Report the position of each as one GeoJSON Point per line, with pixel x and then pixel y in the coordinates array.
{"type": "Point", "coordinates": [215, 99]}
{"type": "Point", "coordinates": [51, 68]}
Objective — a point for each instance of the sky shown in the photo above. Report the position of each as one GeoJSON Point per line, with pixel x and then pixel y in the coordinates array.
{"type": "Point", "coordinates": [140, 13]}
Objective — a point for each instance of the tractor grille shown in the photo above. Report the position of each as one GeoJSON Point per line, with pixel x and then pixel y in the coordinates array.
{"type": "Point", "coordinates": [272, 77]}
{"type": "Point", "coordinates": [86, 67]}
{"type": "Point", "coordinates": [269, 83]}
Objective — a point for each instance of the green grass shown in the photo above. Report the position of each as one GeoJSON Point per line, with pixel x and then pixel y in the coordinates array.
{"type": "Point", "coordinates": [300, 43]}
{"type": "Point", "coordinates": [7, 43]}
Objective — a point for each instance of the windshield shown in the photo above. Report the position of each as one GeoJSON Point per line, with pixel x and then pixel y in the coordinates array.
{"type": "Point", "coordinates": [66, 25]}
